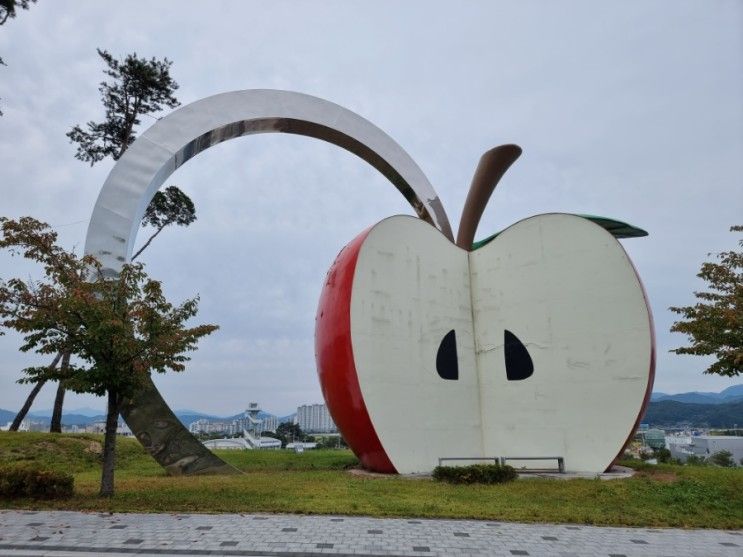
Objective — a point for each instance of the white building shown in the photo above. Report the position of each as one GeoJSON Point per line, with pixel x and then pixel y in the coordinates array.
{"type": "Point", "coordinates": [206, 426]}
{"type": "Point", "coordinates": [250, 421]}
{"type": "Point", "coordinates": [23, 427]}
{"type": "Point", "coordinates": [99, 427]}
{"type": "Point", "coordinates": [246, 442]}
{"type": "Point", "coordinates": [96, 427]}
{"type": "Point", "coordinates": [315, 418]}
{"type": "Point", "coordinates": [300, 446]}
{"type": "Point", "coordinates": [705, 446]}
{"type": "Point", "coordinates": [270, 423]}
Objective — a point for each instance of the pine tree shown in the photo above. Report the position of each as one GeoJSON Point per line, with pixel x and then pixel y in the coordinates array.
{"type": "Point", "coordinates": [137, 87]}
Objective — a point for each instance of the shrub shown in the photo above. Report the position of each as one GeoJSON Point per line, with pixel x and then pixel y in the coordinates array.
{"type": "Point", "coordinates": [662, 455]}
{"type": "Point", "coordinates": [476, 473]}
{"type": "Point", "coordinates": [723, 458]}
{"type": "Point", "coordinates": [32, 481]}
{"type": "Point", "coordinates": [694, 460]}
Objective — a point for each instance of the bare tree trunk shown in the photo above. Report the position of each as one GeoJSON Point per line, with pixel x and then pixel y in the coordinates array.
{"type": "Point", "coordinates": [56, 425]}
{"type": "Point", "coordinates": [109, 445]}
{"type": "Point", "coordinates": [147, 243]}
{"type": "Point", "coordinates": [26, 406]}
{"type": "Point", "coordinates": [30, 399]}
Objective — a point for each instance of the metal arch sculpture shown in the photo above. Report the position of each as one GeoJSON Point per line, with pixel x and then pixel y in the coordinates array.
{"type": "Point", "coordinates": [183, 134]}
{"type": "Point", "coordinates": [535, 343]}
{"type": "Point", "coordinates": [193, 128]}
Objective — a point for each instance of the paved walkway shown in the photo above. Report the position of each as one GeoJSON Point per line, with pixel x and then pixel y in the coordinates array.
{"type": "Point", "coordinates": [74, 534]}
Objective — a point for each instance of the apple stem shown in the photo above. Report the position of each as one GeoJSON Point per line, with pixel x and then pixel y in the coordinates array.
{"type": "Point", "coordinates": [491, 168]}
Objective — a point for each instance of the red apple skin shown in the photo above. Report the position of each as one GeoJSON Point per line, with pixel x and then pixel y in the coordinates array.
{"type": "Point", "coordinates": [335, 363]}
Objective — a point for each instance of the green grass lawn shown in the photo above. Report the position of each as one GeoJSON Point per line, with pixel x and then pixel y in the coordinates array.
{"type": "Point", "coordinates": [319, 482]}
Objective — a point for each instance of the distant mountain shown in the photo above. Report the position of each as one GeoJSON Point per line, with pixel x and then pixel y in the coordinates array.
{"type": "Point", "coordinates": [735, 391]}
{"type": "Point", "coordinates": [6, 416]}
{"type": "Point", "coordinates": [187, 417]}
{"type": "Point", "coordinates": [84, 416]}
{"type": "Point", "coordinates": [663, 411]}
{"type": "Point", "coordinates": [41, 414]}
{"type": "Point", "coordinates": [695, 398]}
{"type": "Point", "coordinates": [81, 419]}
{"type": "Point", "coordinates": [672, 413]}
{"type": "Point", "coordinates": [67, 419]}
{"type": "Point", "coordinates": [70, 419]}
{"type": "Point", "coordinates": [262, 415]}
{"type": "Point", "coordinates": [731, 394]}
{"type": "Point", "coordinates": [85, 411]}
{"type": "Point", "coordinates": [193, 413]}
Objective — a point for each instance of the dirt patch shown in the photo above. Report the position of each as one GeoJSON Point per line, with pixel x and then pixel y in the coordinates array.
{"type": "Point", "coordinates": [64, 444]}
{"type": "Point", "coordinates": [94, 447]}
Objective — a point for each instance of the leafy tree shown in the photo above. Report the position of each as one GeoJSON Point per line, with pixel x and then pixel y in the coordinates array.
{"type": "Point", "coordinates": [714, 325]}
{"type": "Point", "coordinates": [331, 442]}
{"type": "Point", "coordinates": [8, 11]}
{"type": "Point", "coordinates": [722, 458]}
{"type": "Point", "coordinates": [138, 87]}
{"type": "Point", "coordinates": [288, 432]}
{"type": "Point", "coordinates": [119, 329]}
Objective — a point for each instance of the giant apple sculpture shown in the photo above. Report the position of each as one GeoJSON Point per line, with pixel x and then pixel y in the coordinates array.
{"type": "Point", "coordinates": [535, 344]}
{"type": "Point", "coordinates": [538, 343]}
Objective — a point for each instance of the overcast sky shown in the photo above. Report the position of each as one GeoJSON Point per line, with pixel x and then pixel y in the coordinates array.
{"type": "Point", "coordinates": [632, 110]}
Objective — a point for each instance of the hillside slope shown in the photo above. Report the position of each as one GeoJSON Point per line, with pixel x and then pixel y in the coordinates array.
{"type": "Point", "coordinates": [674, 413]}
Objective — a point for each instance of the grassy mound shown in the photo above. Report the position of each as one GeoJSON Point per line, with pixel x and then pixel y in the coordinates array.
{"type": "Point", "coordinates": [68, 452]}
{"type": "Point", "coordinates": [317, 482]}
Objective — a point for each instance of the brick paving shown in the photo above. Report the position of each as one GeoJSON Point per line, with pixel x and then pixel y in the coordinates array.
{"type": "Point", "coordinates": [76, 534]}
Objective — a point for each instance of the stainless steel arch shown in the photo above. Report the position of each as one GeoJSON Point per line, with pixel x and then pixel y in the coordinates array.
{"type": "Point", "coordinates": [175, 139]}
{"type": "Point", "coordinates": [193, 128]}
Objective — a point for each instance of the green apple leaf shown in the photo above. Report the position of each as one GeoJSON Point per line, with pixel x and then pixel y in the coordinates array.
{"type": "Point", "coordinates": [616, 228]}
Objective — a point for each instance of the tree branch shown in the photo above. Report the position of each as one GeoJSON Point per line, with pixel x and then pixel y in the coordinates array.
{"type": "Point", "coordinates": [148, 242]}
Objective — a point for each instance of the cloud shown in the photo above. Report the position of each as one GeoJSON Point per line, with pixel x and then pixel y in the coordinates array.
{"type": "Point", "coordinates": [627, 110]}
